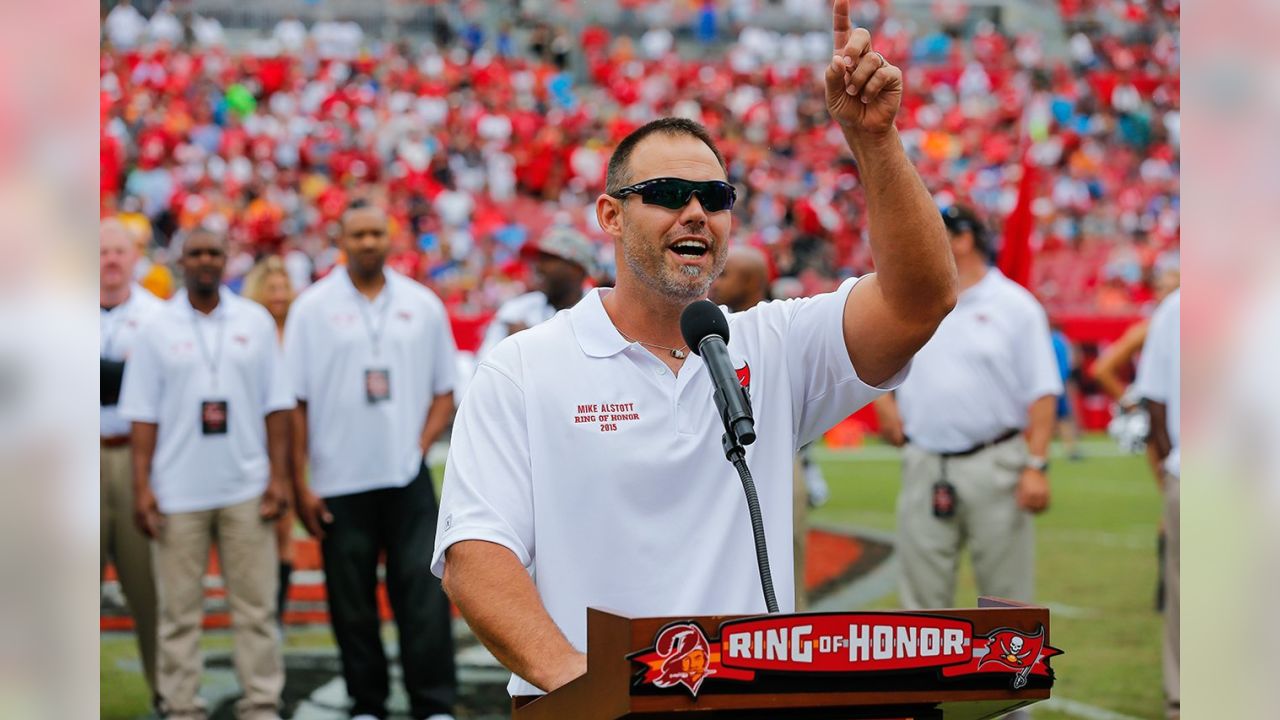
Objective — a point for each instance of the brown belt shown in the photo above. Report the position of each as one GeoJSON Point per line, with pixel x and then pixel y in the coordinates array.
{"type": "Point", "coordinates": [115, 441]}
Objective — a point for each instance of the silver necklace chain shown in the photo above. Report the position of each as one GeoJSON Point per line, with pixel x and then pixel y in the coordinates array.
{"type": "Point", "coordinates": [679, 353]}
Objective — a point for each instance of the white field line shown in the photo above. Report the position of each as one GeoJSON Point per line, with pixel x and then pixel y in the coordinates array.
{"type": "Point", "coordinates": [1078, 709]}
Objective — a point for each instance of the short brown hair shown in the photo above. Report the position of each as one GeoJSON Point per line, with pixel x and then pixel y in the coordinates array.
{"type": "Point", "coordinates": [619, 175]}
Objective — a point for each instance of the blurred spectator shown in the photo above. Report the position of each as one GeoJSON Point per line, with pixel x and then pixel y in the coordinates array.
{"type": "Point", "coordinates": [974, 418]}
{"type": "Point", "coordinates": [208, 32]}
{"type": "Point", "coordinates": [126, 309]}
{"type": "Point", "coordinates": [1068, 367]}
{"type": "Point", "coordinates": [507, 146]}
{"type": "Point", "coordinates": [291, 35]}
{"type": "Point", "coordinates": [204, 374]}
{"type": "Point", "coordinates": [124, 26]}
{"type": "Point", "coordinates": [165, 26]}
{"type": "Point", "coordinates": [373, 364]}
{"type": "Point", "coordinates": [1159, 384]}
{"type": "Point", "coordinates": [562, 260]}
{"type": "Point", "coordinates": [268, 285]}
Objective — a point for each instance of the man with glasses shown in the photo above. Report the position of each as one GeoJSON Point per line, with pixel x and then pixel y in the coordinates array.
{"type": "Point", "coordinates": [207, 394]}
{"type": "Point", "coordinates": [586, 467]}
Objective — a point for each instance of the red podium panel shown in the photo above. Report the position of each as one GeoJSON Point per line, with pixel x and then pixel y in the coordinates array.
{"type": "Point", "coordinates": [958, 664]}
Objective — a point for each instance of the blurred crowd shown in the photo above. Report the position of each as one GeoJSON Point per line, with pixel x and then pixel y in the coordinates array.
{"type": "Point", "coordinates": [479, 141]}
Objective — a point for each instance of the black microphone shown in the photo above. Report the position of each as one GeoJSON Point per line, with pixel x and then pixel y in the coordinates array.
{"type": "Point", "coordinates": [706, 332]}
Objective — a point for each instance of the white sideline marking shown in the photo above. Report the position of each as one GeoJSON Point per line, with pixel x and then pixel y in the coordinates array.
{"type": "Point", "coordinates": [1070, 611]}
{"type": "Point", "coordinates": [880, 453]}
{"type": "Point", "coordinates": [1078, 709]}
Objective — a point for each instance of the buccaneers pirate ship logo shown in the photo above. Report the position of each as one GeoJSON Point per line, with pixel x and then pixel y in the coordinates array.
{"type": "Point", "coordinates": [686, 657]}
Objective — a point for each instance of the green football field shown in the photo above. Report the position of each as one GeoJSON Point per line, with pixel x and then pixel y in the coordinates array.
{"type": "Point", "coordinates": [1096, 572]}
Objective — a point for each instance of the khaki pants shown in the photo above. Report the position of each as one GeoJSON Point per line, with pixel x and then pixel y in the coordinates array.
{"type": "Point", "coordinates": [1172, 593]}
{"type": "Point", "coordinates": [247, 552]}
{"type": "Point", "coordinates": [129, 550]}
{"type": "Point", "coordinates": [800, 531]}
{"type": "Point", "coordinates": [1000, 535]}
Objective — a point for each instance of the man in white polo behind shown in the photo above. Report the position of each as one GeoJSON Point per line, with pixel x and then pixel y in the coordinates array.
{"type": "Point", "coordinates": [982, 392]}
{"type": "Point", "coordinates": [561, 261]}
{"type": "Point", "coordinates": [204, 375]}
{"type": "Point", "coordinates": [372, 358]}
{"type": "Point", "coordinates": [125, 309]}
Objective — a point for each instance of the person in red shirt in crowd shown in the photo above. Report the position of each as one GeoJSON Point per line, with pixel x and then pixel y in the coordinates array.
{"type": "Point", "coordinates": [1103, 125]}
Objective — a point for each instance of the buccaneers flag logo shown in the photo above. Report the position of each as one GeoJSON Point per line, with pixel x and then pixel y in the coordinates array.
{"type": "Point", "coordinates": [1007, 650]}
{"type": "Point", "coordinates": [744, 375]}
{"type": "Point", "coordinates": [1020, 652]}
{"type": "Point", "coordinates": [686, 657]}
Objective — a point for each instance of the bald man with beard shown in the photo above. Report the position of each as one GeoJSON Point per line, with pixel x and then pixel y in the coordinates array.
{"type": "Point", "coordinates": [743, 285]}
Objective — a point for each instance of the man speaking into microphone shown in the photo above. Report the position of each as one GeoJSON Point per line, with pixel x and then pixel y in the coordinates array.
{"type": "Point", "coordinates": [586, 465]}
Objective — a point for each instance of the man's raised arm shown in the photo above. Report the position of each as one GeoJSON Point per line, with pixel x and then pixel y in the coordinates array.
{"type": "Point", "coordinates": [891, 314]}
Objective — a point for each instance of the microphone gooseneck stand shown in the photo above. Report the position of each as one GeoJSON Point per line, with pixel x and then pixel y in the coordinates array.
{"type": "Point", "coordinates": [706, 330]}
{"type": "Point", "coordinates": [738, 456]}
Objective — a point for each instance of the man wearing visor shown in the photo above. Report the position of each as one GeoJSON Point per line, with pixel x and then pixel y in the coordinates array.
{"type": "Point", "coordinates": [586, 467]}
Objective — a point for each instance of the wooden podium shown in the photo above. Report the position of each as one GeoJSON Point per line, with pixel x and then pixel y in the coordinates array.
{"type": "Point", "coordinates": [957, 664]}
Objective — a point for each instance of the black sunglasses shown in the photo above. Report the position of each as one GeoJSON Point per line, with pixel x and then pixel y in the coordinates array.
{"type": "Point", "coordinates": [674, 193]}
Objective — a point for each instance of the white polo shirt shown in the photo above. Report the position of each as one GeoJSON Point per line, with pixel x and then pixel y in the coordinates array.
{"type": "Point", "coordinates": [118, 331]}
{"type": "Point", "coordinates": [171, 374]}
{"type": "Point", "coordinates": [1160, 372]}
{"type": "Point", "coordinates": [528, 310]}
{"type": "Point", "coordinates": [356, 444]}
{"type": "Point", "coordinates": [604, 473]}
{"type": "Point", "coordinates": [991, 357]}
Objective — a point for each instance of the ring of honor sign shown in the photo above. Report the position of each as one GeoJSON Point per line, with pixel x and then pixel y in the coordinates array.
{"type": "Point", "coordinates": [871, 650]}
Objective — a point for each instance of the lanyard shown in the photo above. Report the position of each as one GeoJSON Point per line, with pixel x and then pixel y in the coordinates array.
{"type": "Point", "coordinates": [375, 330]}
{"type": "Point", "coordinates": [211, 359]}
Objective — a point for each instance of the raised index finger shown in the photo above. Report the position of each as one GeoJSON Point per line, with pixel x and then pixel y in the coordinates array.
{"type": "Point", "coordinates": [840, 23]}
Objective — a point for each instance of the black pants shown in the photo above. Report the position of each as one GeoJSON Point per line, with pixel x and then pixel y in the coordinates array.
{"type": "Point", "coordinates": [401, 522]}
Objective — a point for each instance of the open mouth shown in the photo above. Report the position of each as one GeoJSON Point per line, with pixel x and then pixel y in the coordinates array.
{"type": "Point", "coordinates": [690, 248]}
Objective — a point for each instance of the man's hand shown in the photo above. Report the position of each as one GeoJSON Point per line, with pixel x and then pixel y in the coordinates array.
{"type": "Point", "coordinates": [1033, 491]}
{"type": "Point", "coordinates": [890, 420]}
{"type": "Point", "coordinates": [574, 667]}
{"type": "Point", "coordinates": [864, 91]}
{"type": "Point", "coordinates": [275, 501]}
{"type": "Point", "coordinates": [314, 513]}
{"type": "Point", "coordinates": [146, 513]}
{"type": "Point", "coordinates": [893, 435]}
